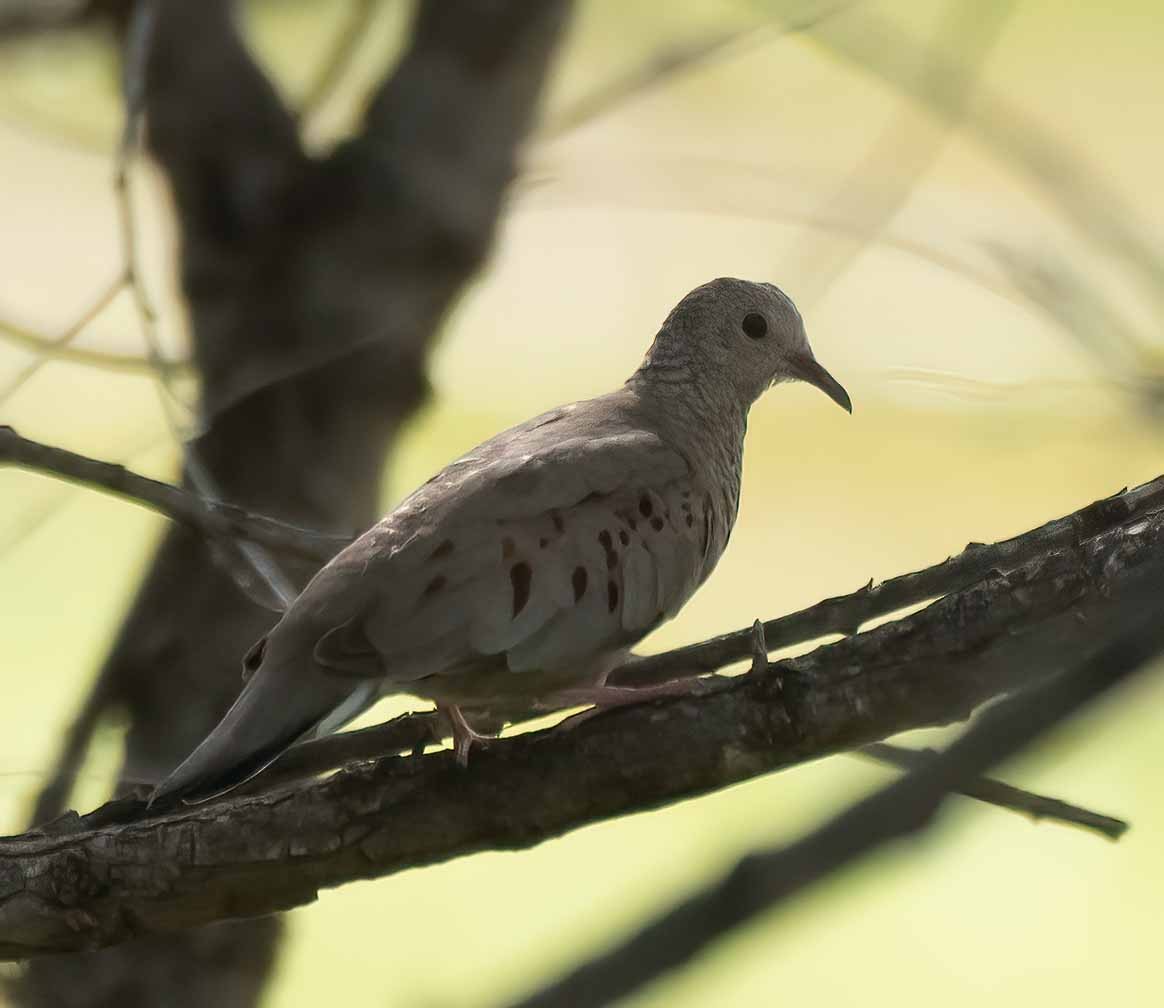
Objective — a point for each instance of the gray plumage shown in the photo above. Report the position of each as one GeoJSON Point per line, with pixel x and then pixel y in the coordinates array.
{"type": "Point", "coordinates": [531, 565]}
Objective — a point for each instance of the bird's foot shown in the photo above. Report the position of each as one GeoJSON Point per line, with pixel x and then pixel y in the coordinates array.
{"type": "Point", "coordinates": [464, 737]}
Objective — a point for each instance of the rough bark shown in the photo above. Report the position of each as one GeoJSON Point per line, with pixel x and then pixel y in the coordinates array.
{"type": "Point", "coordinates": [76, 886]}
{"type": "Point", "coordinates": [314, 287]}
{"type": "Point", "coordinates": [766, 880]}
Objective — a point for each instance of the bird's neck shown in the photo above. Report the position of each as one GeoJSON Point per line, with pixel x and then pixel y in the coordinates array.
{"type": "Point", "coordinates": [707, 420]}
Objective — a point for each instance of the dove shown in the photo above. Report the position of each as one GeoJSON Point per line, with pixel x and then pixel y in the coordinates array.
{"type": "Point", "coordinates": [524, 572]}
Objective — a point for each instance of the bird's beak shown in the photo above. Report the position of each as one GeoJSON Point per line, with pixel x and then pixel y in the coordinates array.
{"type": "Point", "coordinates": [806, 369]}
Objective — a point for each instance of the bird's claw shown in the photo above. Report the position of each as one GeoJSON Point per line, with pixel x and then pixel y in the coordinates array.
{"type": "Point", "coordinates": [464, 737]}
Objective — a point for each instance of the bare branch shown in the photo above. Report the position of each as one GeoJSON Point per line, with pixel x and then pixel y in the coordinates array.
{"type": "Point", "coordinates": [768, 879]}
{"type": "Point", "coordinates": [138, 47]}
{"type": "Point", "coordinates": [994, 792]}
{"type": "Point", "coordinates": [73, 885]}
{"type": "Point", "coordinates": [213, 519]}
{"type": "Point", "coordinates": [660, 69]}
{"type": "Point", "coordinates": [846, 613]}
{"type": "Point", "coordinates": [1085, 197]}
{"type": "Point", "coordinates": [412, 732]}
{"type": "Point", "coordinates": [972, 27]}
{"type": "Point", "coordinates": [49, 348]}
{"type": "Point", "coordinates": [678, 59]}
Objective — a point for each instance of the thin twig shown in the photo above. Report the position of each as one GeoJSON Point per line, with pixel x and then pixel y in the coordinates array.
{"type": "Point", "coordinates": [52, 348]}
{"type": "Point", "coordinates": [768, 879]}
{"type": "Point", "coordinates": [673, 61]}
{"type": "Point", "coordinates": [405, 733]}
{"type": "Point", "coordinates": [869, 196]}
{"type": "Point", "coordinates": [1085, 198]}
{"type": "Point", "coordinates": [58, 347]}
{"type": "Point", "coordinates": [239, 558]}
{"type": "Point", "coordinates": [846, 613]}
{"type": "Point", "coordinates": [657, 71]}
{"type": "Point", "coordinates": [997, 793]}
{"type": "Point", "coordinates": [212, 518]}
{"type": "Point", "coordinates": [137, 47]}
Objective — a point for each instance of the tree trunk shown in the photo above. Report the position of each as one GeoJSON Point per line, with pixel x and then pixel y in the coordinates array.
{"type": "Point", "coordinates": [315, 287]}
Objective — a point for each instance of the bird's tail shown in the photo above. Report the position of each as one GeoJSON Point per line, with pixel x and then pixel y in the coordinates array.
{"type": "Point", "coordinates": [275, 709]}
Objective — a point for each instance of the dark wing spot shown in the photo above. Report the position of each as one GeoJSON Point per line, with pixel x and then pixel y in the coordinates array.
{"type": "Point", "coordinates": [443, 550]}
{"type": "Point", "coordinates": [657, 524]}
{"type": "Point", "coordinates": [520, 576]}
{"type": "Point", "coordinates": [434, 586]}
{"type": "Point", "coordinates": [611, 596]}
{"type": "Point", "coordinates": [623, 537]}
{"type": "Point", "coordinates": [690, 519]}
{"type": "Point", "coordinates": [607, 543]}
{"type": "Point", "coordinates": [579, 582]}
{"type": "Point", "coordinates": [632, 523]}
{"type": "Point", "coordinates": [645, 506]}
{"type": "Point", "coordinates": [508, 548]}
{"type": "Point", "coordinates": [559, 524]}
{"type": "Point", "coordinates": [543, 542]}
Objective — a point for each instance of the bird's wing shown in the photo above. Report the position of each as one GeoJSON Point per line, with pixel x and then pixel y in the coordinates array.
{"type": "Point", "coordinates": [547, 554]}
{"type": "Point", "coordinates": [561, 540]}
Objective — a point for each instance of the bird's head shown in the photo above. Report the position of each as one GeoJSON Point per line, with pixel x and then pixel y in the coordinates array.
{"type": "Point", "coordinates": [746, 334]}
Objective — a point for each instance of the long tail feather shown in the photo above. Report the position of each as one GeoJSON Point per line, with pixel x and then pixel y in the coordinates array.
{"type": "Point", "coordinates": [273, 711]}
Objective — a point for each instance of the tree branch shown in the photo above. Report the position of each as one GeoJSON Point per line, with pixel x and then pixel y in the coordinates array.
{"type": "Point", "coordinates": [1002, 795]}
{"type": "Point", "coordinates": [768, 879]}
{"type": "Point", "coordinates": [211, 518]}
{"type": "Point", "coordinates": [247, 855]}
{"type": "Point", "coordinates": [412, 732]}
{"type": "Point", "coordinates": [846, 613]}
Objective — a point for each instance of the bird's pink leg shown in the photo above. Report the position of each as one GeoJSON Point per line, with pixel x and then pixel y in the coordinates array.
{"type": "Point", "coordinates": [603, 696]}
{"type": "Point", "coordinates": [463, 734]}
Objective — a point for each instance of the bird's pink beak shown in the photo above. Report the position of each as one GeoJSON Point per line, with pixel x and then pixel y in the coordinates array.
{"type": "Point", "coordinates": [806, 369]}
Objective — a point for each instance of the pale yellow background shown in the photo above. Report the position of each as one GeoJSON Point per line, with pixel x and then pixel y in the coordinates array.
{"type": "Point", "coordinates": [977, 415]}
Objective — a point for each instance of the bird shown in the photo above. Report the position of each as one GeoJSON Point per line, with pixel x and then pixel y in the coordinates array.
{"type": "Point", "coordinates": [524, 572]}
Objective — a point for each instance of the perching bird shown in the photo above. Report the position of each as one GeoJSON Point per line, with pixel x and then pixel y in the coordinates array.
{"type": "Point", "coordinates": [523, 572]}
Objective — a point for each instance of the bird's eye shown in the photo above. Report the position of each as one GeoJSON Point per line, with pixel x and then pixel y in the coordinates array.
{"type": "Point", "coordinates": [755, 325]}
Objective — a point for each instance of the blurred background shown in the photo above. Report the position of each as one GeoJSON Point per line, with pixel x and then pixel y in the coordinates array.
{"type": "Point", "coordinates": [964, 200]}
